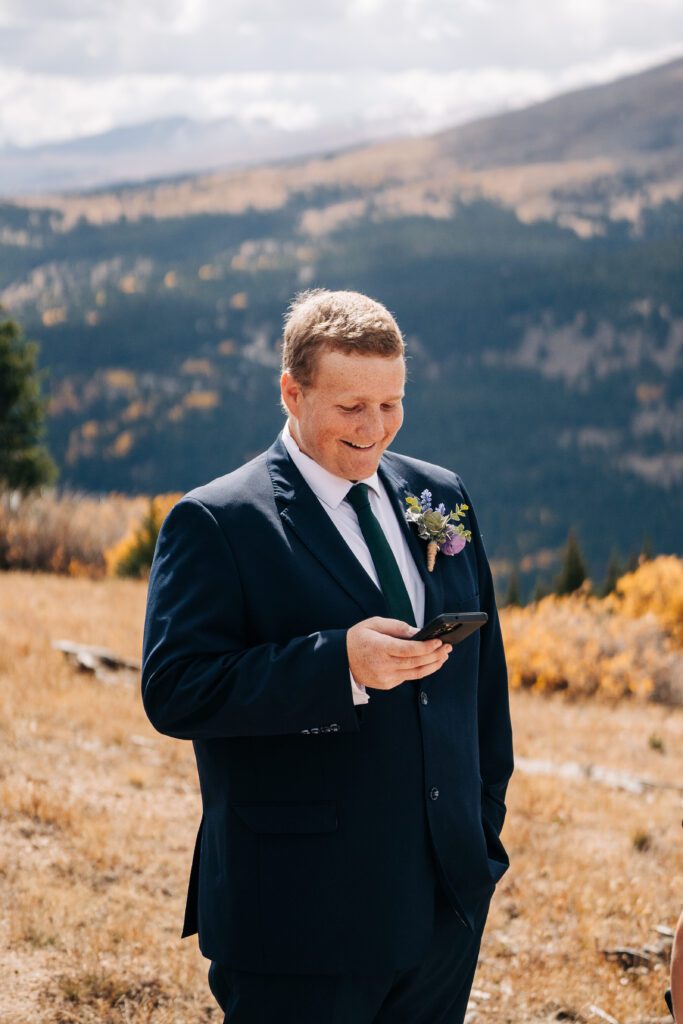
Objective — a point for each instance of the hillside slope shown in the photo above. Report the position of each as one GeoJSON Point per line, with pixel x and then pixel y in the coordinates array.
{"type": "Point", "coordinates": [541, 302]}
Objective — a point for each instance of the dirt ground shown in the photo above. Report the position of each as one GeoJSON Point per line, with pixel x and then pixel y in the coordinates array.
{"type": "Point", "coordinates": [98, 816]}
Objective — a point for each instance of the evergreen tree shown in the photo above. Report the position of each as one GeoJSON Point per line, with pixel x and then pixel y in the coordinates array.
{"type": "Point", "coordinates": [514, 592]}
{"type": "Point", "coordinates": [647, 550]}
{"type": "Point", "coordinates": [573, 569]}
{"type": "Point", "coordinates": [632, 562]}
{"type": "Point", "coordinates": [541, 589]}
{"type": "Point", "coordinates": [24, 463]}
{"type": "Point", "coordinates": [614, 571]}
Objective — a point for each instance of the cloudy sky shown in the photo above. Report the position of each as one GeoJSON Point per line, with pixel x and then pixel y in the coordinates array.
{"type": "Point", "coordinates": [75, 67]}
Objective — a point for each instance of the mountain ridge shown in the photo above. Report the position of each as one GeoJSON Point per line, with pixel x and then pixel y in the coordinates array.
{"type": "Point", "coordinates": [429, 174]}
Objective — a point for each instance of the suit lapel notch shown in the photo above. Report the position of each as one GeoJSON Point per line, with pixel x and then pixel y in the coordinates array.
{"type": "Point", "coordinates": [300, 510]}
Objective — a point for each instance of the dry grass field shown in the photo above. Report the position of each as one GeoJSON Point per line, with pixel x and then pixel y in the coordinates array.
{"type": "Point", "coordinates": [98, 815]}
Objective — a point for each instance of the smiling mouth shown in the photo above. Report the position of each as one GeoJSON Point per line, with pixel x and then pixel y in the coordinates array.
{"type": "Point", "coordinates": [359, 447]}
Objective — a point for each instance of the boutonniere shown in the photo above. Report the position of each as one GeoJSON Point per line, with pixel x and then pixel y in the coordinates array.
{"type": "Point", "coordinates": [434, 525]}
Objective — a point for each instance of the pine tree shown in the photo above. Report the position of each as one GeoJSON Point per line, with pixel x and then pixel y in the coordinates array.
{"type": "Point", "coordinates": [514, 592]}
{"type": "Point", "coordinates": [632, 562]}
{"type": "Point", "coordinates": [24, 463]}
{"type": "Point", "coordinates": [614, 570]}
{"type": "Point", "coordinates": [541, 589]}
{"type": "Point", "coordinates": [647, 549]}
{"type": "Point", "coordinates": [573, 569]}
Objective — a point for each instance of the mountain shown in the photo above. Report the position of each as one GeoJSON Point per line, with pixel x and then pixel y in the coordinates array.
{"type": "Point", "coordinates": [596, 155]}
{"type": "Point", "coordinates": [536, 274]}
{"type": "Point", "coordinates": [635, 116]}
{"type": "Point", "coordinates": [162, 148]}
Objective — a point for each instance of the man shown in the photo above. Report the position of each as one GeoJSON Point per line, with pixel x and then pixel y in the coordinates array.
{"type": "Point", "coordinates": [352, 779]}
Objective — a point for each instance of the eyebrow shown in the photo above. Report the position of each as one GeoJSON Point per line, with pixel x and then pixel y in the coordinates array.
{"type": "Point", "coordinates": [361, 398]}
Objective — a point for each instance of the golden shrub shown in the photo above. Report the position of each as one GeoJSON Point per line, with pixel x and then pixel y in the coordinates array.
{"type": "Point", "coordinates": [132, 555]}
{"type": "Point", "coordinates": [583, 645]}
{"type": "Point", "coordinates": [655, 587]}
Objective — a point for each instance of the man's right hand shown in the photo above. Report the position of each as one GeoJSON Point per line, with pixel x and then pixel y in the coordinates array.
{"type": "Point", "coordinates": [381, 656]}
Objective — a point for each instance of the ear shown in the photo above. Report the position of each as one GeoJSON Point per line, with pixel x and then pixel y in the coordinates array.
{"type": "Point", "coordinates": [291, 393]}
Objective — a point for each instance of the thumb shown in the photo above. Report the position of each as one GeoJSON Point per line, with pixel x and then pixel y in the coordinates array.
{"type": "Point", "coordinates": [396, 628]}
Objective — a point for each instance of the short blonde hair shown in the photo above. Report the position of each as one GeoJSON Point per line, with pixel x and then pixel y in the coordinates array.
{"type": "Point", "coordinates": [320, 320]}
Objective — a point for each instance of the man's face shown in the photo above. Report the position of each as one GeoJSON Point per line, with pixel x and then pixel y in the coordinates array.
{"type": "Point", "coordinates": [354, 400]}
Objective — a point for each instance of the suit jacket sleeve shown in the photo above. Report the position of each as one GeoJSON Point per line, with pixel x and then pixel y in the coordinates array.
{"type": "Point", "coordinates": [199, 678]}
{"type": "Point", "coordinates": [495, 730]}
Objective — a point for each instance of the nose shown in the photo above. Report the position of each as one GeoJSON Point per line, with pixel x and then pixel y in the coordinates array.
{"type": "Point", "coordinates": [372, 426]}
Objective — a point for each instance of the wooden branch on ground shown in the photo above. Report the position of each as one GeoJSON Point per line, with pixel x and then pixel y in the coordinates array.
{"type": "Point", "coordinates": [99, 661]}
{"type": "Point", "coordinates": [643, 958]}
{"type": "Point", "coordinates": [627, 957]}
{"type": "Point", "coordinates": [597, 1012]}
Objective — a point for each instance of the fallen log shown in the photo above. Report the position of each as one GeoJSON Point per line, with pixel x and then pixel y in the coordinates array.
{"type": "Point", "coordinates": [627, 957]}
{"type": "Point", "coordinates": [99, 661]}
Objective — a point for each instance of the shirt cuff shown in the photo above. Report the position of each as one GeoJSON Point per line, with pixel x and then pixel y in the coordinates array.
{"type": "Point", "coordinates": [360, 694]}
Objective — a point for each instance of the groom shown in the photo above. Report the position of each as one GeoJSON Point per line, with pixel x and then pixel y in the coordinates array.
{"type": "Point", "coordinates": [352, 779]}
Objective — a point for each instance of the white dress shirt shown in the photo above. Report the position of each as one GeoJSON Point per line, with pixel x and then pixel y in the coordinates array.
{"type": "Point", "coordinates": [331, 490]}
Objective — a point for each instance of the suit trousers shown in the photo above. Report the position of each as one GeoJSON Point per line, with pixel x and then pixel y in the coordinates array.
{"type": "Point", "coordinates": [435, 991]}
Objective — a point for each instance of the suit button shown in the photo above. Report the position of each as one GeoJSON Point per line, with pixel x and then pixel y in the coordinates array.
{"type": "Point", "coordinates": [424, 699]}
{"type": "Point", "coordinates": [315, 731]}
{"type": "Point", "coordinates": [305, 732]}
{"type": "Point", "coordinates": [325, 728]}
{"type": "Point", "coordinates": [434, 793]}
{"type": "Point", "coordinates": [334, 727]}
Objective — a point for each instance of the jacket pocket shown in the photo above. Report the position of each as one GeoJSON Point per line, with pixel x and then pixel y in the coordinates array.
{"type": "Point", "coordinates": [498, 860]}
{"type": "Point", "coordinates": [284, 818]}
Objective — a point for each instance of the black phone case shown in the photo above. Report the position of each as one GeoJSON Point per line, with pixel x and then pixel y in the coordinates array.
{"type": "Point", "coordinates": [447, 633]}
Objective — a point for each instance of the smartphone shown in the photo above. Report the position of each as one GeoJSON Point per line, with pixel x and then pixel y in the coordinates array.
{"type": "Point", "coordinates": [452, 627]}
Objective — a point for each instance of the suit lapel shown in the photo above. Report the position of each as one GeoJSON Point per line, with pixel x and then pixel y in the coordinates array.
{"type": "Point", "coordinates": [300, 509]}
{"type": "Point", "coordinates": [399, 487]}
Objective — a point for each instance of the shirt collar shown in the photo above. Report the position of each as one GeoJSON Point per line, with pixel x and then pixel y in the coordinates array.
{"type": "Point", "coordinates": [329, 487]}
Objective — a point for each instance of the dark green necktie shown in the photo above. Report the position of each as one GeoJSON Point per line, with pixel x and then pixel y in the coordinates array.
{"type": "Point", "coordinates": [391, 581]}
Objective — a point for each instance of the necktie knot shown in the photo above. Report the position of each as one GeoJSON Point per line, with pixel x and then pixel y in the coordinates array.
{"type": "Point", "coordinates": [357, 496]}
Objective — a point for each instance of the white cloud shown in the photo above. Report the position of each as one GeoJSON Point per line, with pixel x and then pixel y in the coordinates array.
{"type": "Point", "coordinates": [406, 101]}
{"type": "Point", "coordinates": [73, 67]}
{"type": "Point", "coordinates": [131, 99]}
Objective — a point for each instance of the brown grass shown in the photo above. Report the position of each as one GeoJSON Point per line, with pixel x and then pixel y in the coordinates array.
{"type": "Point", "coordinates": [98, 814]}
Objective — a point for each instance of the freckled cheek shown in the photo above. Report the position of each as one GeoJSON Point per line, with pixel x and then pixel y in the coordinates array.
{"type": "Point", "coordinates": [394, 425]}
{"type": "Point", "coordinates": [337, 431]}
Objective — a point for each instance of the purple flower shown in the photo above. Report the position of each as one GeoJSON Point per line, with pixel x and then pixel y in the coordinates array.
{"type": "Point", "coordinates": [441, 508]}
{"type": "Point", "coordinates": [453, 544]}
{"type": "Point", "coordinates": [426, 500]}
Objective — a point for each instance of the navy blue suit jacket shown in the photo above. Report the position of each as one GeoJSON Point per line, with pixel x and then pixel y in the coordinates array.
{"type": "Point", "coordinates": [324, 823]}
